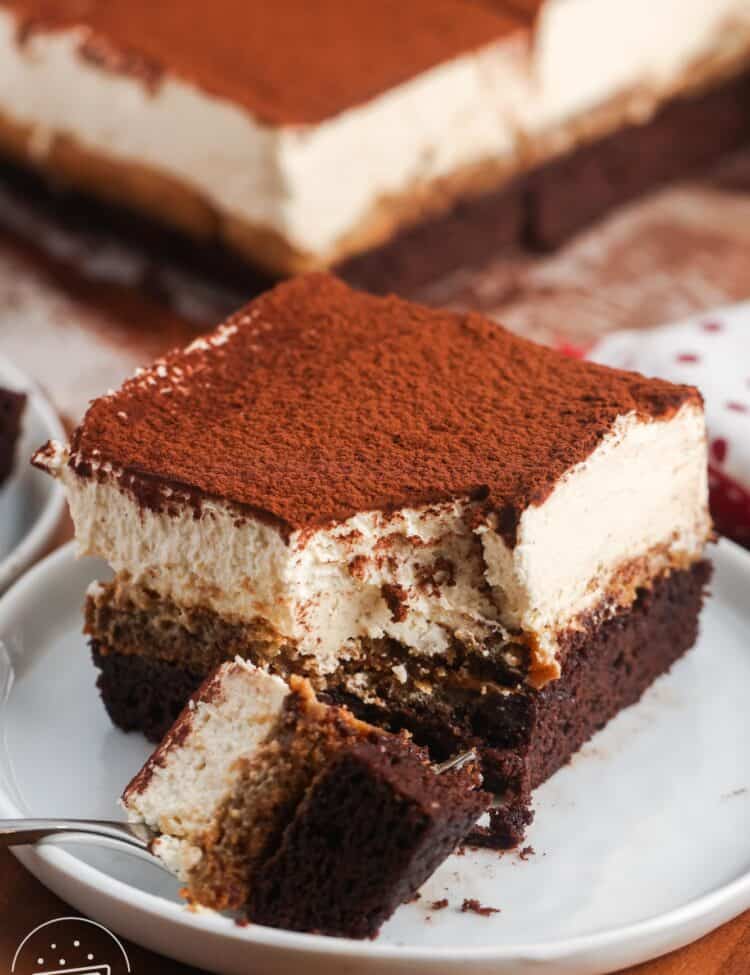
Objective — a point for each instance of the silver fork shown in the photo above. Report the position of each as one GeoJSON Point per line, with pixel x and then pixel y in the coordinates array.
{"type": "Point", "coordinates": [130, 837]}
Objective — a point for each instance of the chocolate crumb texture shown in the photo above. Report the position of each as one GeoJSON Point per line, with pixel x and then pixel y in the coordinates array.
{"type": "Point", "coordinates": [146, 693]}
{"type": "Point", "coordinates": [472, 905]}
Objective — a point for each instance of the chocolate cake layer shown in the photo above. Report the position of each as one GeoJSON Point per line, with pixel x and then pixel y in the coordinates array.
{"type": "Point", "coordinates": [685, 136]}
{"type": "Point", "coordinates": [524, 735]}
{"type": "Point", "coordinates": [467, 235]}
{"type": "Point", "coordinates": [142, 694]}
{"type": "Point", "coordinates": [374, 826]}
{"type": "Point", "coordinates": [11, 412]}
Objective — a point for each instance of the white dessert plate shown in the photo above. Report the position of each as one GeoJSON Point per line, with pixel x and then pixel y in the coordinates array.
{"type": "Point", "coordinates": [31, 503]}
{"type": "Point", "coordinates": [641, 844]}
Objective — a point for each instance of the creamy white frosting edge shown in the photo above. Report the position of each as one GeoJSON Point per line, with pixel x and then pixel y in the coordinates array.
{"type": "Point", "coordinates": [642, 492]}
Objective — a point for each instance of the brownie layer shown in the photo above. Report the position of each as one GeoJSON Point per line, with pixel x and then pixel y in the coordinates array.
{"type": "Point", "coordinates": [11, 411]}
{"type": "Point", "coordinates": [524, 735]}
{"type": "Point", "coordinates": [686, 135]}
{"type": "Point", "coordinates": [467, 235]}
{"type": "Point", "coordinates": [142, 694]}
{"type": "Point", "coordinates": [374, 826]}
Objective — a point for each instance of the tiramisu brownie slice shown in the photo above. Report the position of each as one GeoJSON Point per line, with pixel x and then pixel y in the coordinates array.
{"type": "Point", "coordinates": [445, 526]}
{"type": "Point", "coordinates": [235, 120]}
{"type": "Point", "coordinates": [267, 802]}
{"type": "Point", "coordinates": [11, 411]}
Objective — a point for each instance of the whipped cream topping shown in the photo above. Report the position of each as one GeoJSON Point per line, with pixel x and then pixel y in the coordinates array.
{"type": "Point", "coordinates": [423, 576]}
{"type": "Point", "coordinates": [637, 506]}
{"type": "Point", "coordinates": [585, 52]}
{"type": "Point", "coordinates": [315, 186]}
{"type": "Point", "coordinates": [416, 575]}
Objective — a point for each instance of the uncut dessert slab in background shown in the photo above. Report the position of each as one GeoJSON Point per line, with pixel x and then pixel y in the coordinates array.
{"type": "Point", "coordinates": [459, 128]}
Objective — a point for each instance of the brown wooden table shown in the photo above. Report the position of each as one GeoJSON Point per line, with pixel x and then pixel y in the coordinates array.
{"type": "Point", "coordinates": [78, 312]}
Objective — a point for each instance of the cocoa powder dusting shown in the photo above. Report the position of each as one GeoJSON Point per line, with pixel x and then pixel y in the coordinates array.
{"type": "Point", "coordinates": [395, 599]}
{"type": "Point", "coordinates": [281, 43]}
{"type": "Point", "coordinates": [316, 402]}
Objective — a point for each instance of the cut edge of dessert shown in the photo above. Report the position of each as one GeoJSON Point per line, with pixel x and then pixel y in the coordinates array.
{"type": "Point", "coordinates": [293, 813]}
{"type": "Point", "coordinates": [510, 599]}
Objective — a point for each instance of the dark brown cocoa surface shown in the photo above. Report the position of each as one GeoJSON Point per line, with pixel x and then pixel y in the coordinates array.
{"type": "Point", "coordinates": [317, 401]}
{"type": "Point", "coordinates": [298, 63]}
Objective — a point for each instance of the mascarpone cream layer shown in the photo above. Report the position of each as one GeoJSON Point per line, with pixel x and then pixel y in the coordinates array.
{"type": "Point", "coordinates": [315, 185]}
{"type": "Point", "coordinates": [588, 51]}
{"type": "Point", "coordinates": [194, 770]}
{"type": "Point", "coordinates": [634, 508]}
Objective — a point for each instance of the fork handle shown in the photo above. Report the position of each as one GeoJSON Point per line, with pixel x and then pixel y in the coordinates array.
{"type": "Point", "coordinates": [23, 832]}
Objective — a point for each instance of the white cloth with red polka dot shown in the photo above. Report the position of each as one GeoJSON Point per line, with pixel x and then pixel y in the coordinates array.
{"type": "Point", "coordinates": [710, 351]}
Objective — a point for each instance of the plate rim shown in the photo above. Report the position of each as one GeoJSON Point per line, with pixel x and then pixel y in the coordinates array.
{"type": "Point", "coordinates": [23, 554]}
{"type": "Point", "coordinates": [723, 902]}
